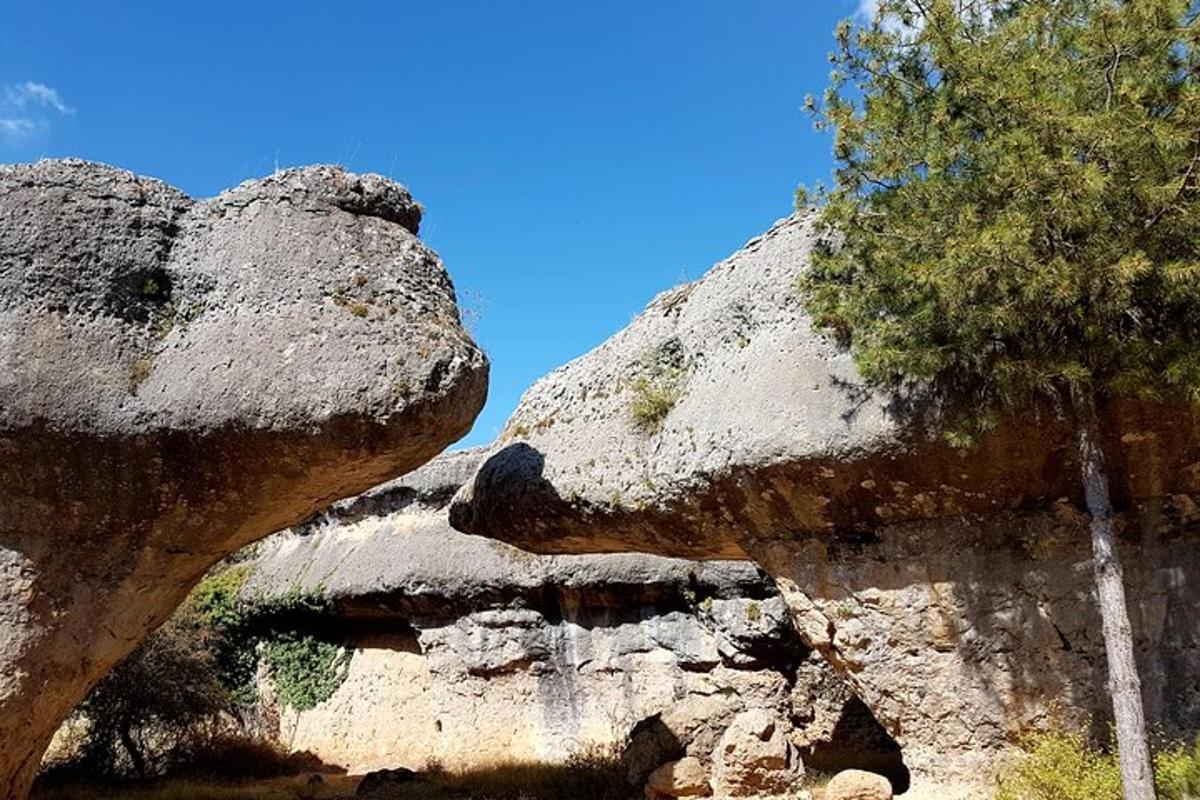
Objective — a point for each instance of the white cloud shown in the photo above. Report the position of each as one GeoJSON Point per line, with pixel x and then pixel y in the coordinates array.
{"type": "Point", "coordinates": [25, 108]}
{"type": "Point", "coordinates": [978, 10]}
{"type": "Point", "coordinates": [867, 9]}
{"type": "Point", "coordinates": [39, 94]}
{"type": "Point", "coordinates": [17, 128]}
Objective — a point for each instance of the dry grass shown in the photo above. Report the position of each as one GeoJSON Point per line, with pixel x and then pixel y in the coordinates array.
{"type": "Point", "coordinates": [538, 781]}
{"type": "Point", "coordinates": [294, 787]}
{"type": "Point", "coordinates": [224, 766]}
{"type": "Point", "coordinates": [595, 775]}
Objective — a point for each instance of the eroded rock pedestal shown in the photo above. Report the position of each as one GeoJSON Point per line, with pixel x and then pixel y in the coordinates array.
{"type": "Point", "coordinates": [179, 378]}
{"type": "Point", "coordinates": [951, 589]}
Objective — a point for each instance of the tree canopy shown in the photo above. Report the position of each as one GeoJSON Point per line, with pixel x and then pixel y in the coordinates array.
{"type": "Point", "coordinates": [1016, 205]}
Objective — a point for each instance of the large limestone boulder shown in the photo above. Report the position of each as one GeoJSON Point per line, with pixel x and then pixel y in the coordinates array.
{"type": "Point", "coordinates": [950, 588]}
{"type": "Point", "coordinates": [718, 418]}
{"type": "Point", "coordinates": [756, 759]}
{"type": "Point", "coordinates": [179, 378]}
{"type": "Point", "coordinates": [391, 550]}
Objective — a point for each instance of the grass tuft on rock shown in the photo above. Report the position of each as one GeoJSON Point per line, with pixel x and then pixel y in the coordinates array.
{"type": "Point", "coordinates": [662, 375]}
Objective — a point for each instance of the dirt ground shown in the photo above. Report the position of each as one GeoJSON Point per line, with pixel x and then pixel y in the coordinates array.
{"type": "Point", "coordinates": [297, 787]}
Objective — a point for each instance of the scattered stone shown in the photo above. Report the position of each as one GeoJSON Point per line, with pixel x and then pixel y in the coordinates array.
{"type": "Point", "coordinates": [686, 777]}
{"type": "Point", "coordinates": [386, 784]}
{"type": "Point", "coordinates": [855, 784]}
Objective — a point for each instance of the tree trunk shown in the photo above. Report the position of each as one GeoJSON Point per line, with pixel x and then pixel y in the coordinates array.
{"type": "Point", "coordinates": [1133, 748]}
{"type": "Point", "coordinates": [132, 750]}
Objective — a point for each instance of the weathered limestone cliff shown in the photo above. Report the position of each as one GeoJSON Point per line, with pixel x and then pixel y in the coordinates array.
{"type": "Point", "coordinates": [470, 653]}
{"type": "Point", "coordinates": [950, 588]}
{"type": "Point", "coordinates": [179, 378]}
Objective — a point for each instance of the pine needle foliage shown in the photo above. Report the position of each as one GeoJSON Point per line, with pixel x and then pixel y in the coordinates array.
{"type": "Point", "coordinates": [1016, 206]}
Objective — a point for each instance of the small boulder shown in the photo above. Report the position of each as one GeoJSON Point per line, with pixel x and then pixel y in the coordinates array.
{"type": "Point", "coordinates": [386, 783]}
{"type": "Point", "coordinates": [686, 777]}
{"type": "Point", "coordinates": [755, 759]}
{"type": "Point", "coordinates": [856, 784]}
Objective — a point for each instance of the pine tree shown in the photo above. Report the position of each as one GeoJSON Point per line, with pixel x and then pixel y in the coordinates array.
{"type": "Point", "coordinates": [1016, 218]}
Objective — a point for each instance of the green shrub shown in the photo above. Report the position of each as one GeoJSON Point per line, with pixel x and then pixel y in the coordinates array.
{"type": "Point", "coordinates": [657, 388]}
{"type": "Point", "coordinates": [307, 671]}
{"type": "Point", "coordinates": [286, 631]}
{"type": "Point", "coordinates": [1177, 772]}
{"type": "Point", "coordinates": [1061, 766]}
{"type": "Point", "coordinates": [293, 635]}
{"type": "Point", "coordinates": [652, 401]}
{"type": "Point", "coordinates": [173, 703]}
{"type": "Point", "coordinates": [216, 597]}
{"type": "Point", "coordinates": [162, 702]}
{"type": "Point", "coordinates": [594, 773]}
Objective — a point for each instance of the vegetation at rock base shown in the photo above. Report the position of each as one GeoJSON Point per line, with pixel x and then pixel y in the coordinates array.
{"type": "Point", "coordinates": [285, 631]}
{"type": "Point", "coordinates": [291, 781]}
{"type": "Point", "coordinates": [306, 670]}
{"type": "Point", "coordinates": [1061, 766]}
{"type": "Point", "coordinates": [1015, 227]}
{"type": "Point", "coordinates": [178, 698]}
{"type": "Point", "coordinates": [594, 774]}
{"type": "Point", "coordinates": [1177, 772]}
{"type": "Point", "coordinates": [163, 702]}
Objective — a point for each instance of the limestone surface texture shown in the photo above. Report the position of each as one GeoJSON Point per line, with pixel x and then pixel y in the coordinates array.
{"type": "Point", "coordinates": [855, 784]}
{"type": "Point", "coordinates": [179, 378]}
{"type": "Point", "coordinates": [951, 589]}
{"type": "Point", "coordinates": [687, 777]}
{"type": "Point", "coordinates": [755, 758]}
{"type": "Point", "coordinates": [468, 652]}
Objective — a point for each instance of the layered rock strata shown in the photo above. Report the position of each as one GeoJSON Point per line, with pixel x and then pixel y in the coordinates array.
{"type": "Point", "coordinates": [467, 652]}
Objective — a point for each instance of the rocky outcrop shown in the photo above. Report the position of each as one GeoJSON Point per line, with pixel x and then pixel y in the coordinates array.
{"type": "Point", "coordinates": [179, 378]}
{"type": "Point", "coordinates": [468, 652]}
{"type": "Point", "coordinates": [950, 588]}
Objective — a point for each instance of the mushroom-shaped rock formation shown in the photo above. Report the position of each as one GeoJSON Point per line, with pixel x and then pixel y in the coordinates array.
{"type": "Point", "coordinates": [179, 378]}
{"type": "Point", "coordinates": [949, 587]}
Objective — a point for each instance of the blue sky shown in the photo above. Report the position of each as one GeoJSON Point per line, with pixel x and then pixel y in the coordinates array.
{"type": "Point", "coordinates": [574, 158]}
